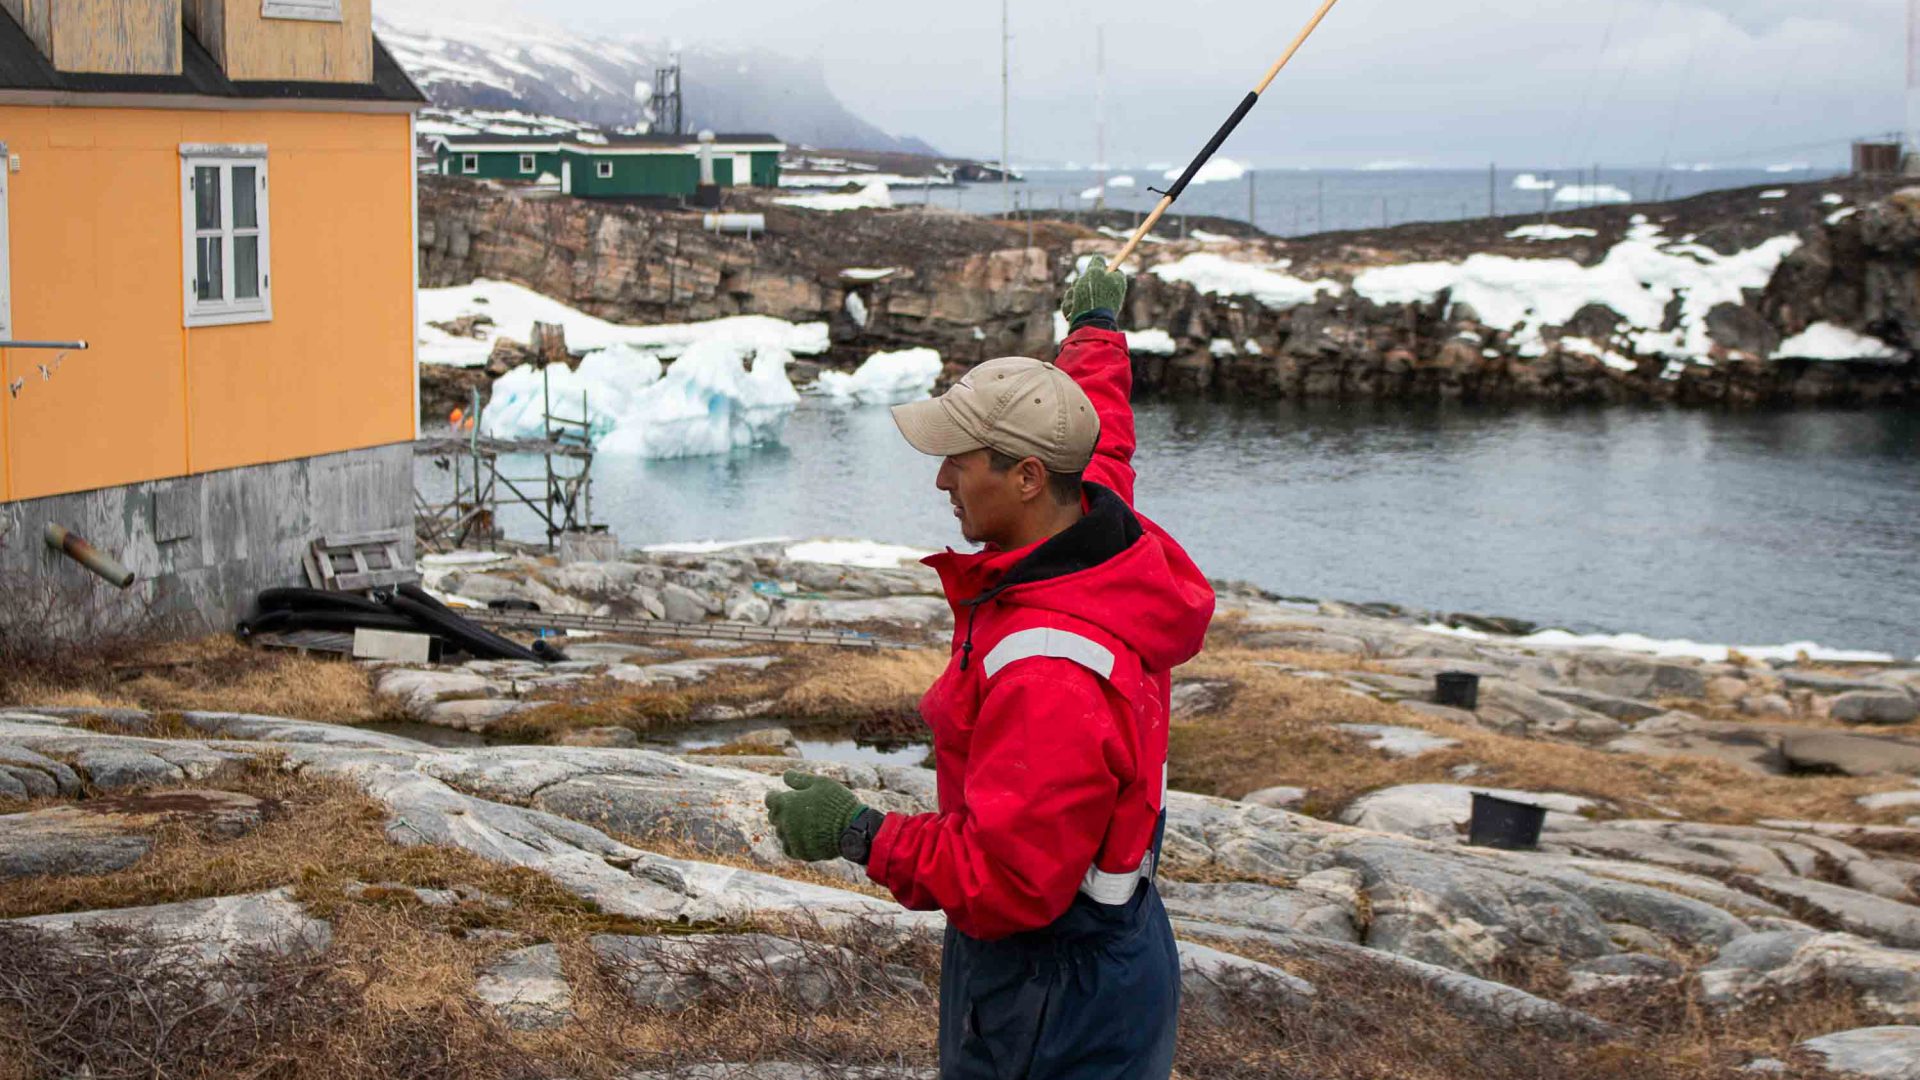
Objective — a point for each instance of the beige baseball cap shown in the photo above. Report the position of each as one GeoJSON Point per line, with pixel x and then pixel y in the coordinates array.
{"type": "Point", "coordinates": [1016, 405]}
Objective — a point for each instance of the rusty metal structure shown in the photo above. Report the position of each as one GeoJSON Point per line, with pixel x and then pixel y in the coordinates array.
{"type": "Point", "coordinates": [487, 473]}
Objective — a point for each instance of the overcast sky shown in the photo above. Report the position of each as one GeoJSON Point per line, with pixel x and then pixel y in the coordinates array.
{"type": "Point", "coordinates": [1522, 82]}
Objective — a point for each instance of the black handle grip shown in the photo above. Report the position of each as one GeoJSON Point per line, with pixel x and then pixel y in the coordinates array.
{"type": "Point", "coordinates": [1226, 129]}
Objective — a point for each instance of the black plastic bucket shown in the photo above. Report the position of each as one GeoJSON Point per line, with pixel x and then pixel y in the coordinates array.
{"type": "Point", "coordinates": [1460, 689]}
{"type": "Point", "coordinates": [1503, 823]}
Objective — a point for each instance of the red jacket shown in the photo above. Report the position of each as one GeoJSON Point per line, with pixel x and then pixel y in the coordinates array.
{"type": "Point", "coordinates": [1050, 722]}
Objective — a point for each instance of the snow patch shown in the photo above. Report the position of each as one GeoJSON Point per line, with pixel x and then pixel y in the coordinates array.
{"type": "Point", "coordinates": [1151, 342]}
{"type": "Point", "coordinates": [1266, 282]}
{"type": "Point", "coordinates": [1591, 194]}
{"type": "Point", "coordinates": [885, 378]}
{"type": "Point", "coordinates": [874, 196]}
{"type": "Point", "coordinates": [1839, 216]}
{"type": "Point", "coordinates": [1638, 279]}
{"type": "Point", "coordinates": [1830, 341]}
{"type": "Point", "coordinates": [856, 309]}
{"type": "Point", "coordinates": [1776, 193]}
{"type": "Point", "coordinates": [1550, 232]}
{"type": "Point", "coordinates": [515, 308]}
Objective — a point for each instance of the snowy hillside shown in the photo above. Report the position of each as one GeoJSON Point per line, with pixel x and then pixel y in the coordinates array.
{"type": "Point", "coordinates": [606, 82]}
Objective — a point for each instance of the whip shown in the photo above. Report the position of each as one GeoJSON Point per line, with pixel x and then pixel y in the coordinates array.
{"type": "Point", "coordinates": [1226, 129]}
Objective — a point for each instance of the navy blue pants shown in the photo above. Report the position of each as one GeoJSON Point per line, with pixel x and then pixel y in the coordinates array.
{"type": "Point", "coordinates": [1094, 996]}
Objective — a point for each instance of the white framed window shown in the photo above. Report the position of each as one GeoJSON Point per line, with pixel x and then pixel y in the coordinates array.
{"type": "Point", "coordinates": [603, 169]}
{"type": "Point", "coordinates": [470, 163]}
{"type": "Point", "coordinates": [526, 163]}
{"type": "Point", "coordinates": [223, 212]}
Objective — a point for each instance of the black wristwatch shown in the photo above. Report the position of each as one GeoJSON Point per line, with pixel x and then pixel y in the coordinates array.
{"type": "Point", "coordinates": [856, 840]}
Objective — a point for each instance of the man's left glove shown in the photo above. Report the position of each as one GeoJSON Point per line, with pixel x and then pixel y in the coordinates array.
{"type": "Point", "coordinates": [810, 818]}
{"type": "Point", "coordinates": [1096, 290]}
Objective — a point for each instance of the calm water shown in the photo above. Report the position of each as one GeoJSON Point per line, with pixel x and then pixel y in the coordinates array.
{"type": "Point", "coordinates": [1743, 528]}
{"type": "Point", "coordinates": [1291, 202]}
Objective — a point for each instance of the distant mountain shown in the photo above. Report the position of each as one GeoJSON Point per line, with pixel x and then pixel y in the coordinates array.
{"type": "Point", "coordinates": [608, 82]}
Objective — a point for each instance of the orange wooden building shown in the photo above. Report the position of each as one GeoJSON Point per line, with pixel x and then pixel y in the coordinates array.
{"type": "Point", "coordinates": [217, 196]}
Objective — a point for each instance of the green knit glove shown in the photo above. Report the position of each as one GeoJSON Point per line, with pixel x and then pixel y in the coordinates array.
{"type": "Point", "coordinates": [810, 818]}
{"type": "Point", "coordinates": [1096, 287]}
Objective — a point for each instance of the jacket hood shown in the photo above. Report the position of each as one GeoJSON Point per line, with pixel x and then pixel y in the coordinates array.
{"type": "Point", "coordinates": [1112, 568]}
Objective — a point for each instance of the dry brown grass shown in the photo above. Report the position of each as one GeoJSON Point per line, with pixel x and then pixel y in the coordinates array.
{"type": "Point", "coordinates": [1377, 1024]}
{"type": "Point", "coordinates": [1278, 729]}
{"type": "Point", "coordinates": [215, 673]}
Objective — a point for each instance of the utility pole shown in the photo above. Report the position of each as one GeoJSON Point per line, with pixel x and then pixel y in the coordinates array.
{"type": "Point", "coordinates": [1006, 171]}
{"type": "Point", "coordinates": [1320, 220]}
{"type": "Point", "coordinates": [1250, 198]}
{"type": "Point", "coordinates": [1100, 113]}
{"type": "Point", "coordinates": [1913, 78]}
{"type": "Point", "coordinates": [1493, 186]}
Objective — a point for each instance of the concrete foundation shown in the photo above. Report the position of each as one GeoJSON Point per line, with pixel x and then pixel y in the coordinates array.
{"type": "Point", "coordinates": [201, 546]}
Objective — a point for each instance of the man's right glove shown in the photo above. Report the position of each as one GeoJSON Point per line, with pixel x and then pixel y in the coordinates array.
{"type": "Point", "coordinates": [1097, 289]}
{"type": "Point", "coordinates": [810, 818]}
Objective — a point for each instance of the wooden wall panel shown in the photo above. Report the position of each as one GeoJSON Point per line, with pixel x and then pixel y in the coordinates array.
{"type": "Point", "coordinates": [124, 37]}
{"type": "Point", "coordinates": [256, 47]}
{"type": "Point", "coordinates": [32, 15]}
{"type": "Point", "coordinates": [207, 21]}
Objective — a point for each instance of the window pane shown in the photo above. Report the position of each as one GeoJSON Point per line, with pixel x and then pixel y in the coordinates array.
{"type": "Point", "coordinates": [207, 276]}
{"type": "Point", "coordinates": [206, 196]}
{"type": "Point", "coordinates": [245, 192]}
{"type": "Point", "coordinates": [246, 266]}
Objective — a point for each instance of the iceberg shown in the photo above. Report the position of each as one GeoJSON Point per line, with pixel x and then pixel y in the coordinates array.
{"type": "Point", "coordinates": [885, 378]}
{"type": "Point", "coordinates": [874, 196]}
{"type": "Point", "coordinates": [708, 402]}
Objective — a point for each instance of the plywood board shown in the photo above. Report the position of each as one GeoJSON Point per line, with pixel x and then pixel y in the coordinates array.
{"type": "Point", "coordinates": [123, 37]}
{"type": "Point", "coordinates": [256, 46]}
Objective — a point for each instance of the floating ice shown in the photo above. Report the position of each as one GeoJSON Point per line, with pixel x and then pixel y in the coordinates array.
{"type": "Point", "coordinates": [1526, 181]}
{"type": "Point", "coordinates": [874, 196]}
{"type": "Point", "coordinates": [1215, 169]}
{"type": "Point", "coordinates": [1791, 166]}
{"type": "Point", "coordinates": [1550, 232]}
{"type": "Point", "coordinates": [1828, 341]}
{"type": "Point", "coordinates": [862, 553]}
{"type": "Point", "coordinates": [707, 403]}
{"type": "Point", "coordinates": [1120, 181]}
{"type": "Point", "coordinates": [1592, 193]}
{"type": "Point", "coordinates": [1640, 643]}
{"type": "Point", "coordinates": [1638, 279]}
{"type": "Point", "coordinates": [1265, 282]}
{"type": "Point", "coordinates": [1093, 193]}
{"type": "Point", "coordinates": [515, 308]}
{"type": "Point", "coordinates": [885, 378]}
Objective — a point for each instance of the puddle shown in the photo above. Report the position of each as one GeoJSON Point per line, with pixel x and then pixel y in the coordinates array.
{"type": "Point", "coordinates": [816, 743]}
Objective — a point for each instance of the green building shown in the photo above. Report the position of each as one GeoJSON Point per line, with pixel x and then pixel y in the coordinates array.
{"type": "Point", "coordinates": [593, 165]}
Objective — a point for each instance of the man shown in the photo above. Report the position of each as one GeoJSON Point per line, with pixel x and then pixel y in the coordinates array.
{"type": "Point", "coordinates": [1049, 724]}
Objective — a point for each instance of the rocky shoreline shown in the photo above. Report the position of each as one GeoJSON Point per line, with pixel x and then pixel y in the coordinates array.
{"type": "Point", "coordinates": [1738, 838]}
{"type": "Point", "coordinates": [976, 288]}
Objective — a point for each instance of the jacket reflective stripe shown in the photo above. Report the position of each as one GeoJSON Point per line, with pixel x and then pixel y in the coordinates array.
{"type": "Point", "coordinates": [1115, 888]}
{"type": "Point", "coordinates": [1048, 641]}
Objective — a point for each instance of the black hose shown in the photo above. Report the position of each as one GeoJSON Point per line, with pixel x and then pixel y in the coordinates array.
{"type": "Point", "coordinates": [438, 619]}
{"type": "Point", "coordinates": [295, 599]}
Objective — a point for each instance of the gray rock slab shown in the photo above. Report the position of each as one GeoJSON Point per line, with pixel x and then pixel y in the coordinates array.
{"type": "Point", "coordinates": [1874, 707]}
{"type": "Point", "coordinates": [1851, 753]}
{"type": "Point", "coordinates": [1263, 907]}
{"type": "Point", "coordinates": [1401, 742]}
{"type": "Point", "coordinates": [528, 988]}
{"type": "Point", "coordinates": [1846, 909]}
{"type": "Point", "coordinates": [1440, 811]}
{"type": "Point", "coordinates": [1633, 675]}
{"type": "Point", "coordinates": [1760, 966]}
{"type": "Point", "coordinates": [113, 768]}
{"type": "Point", "coordinates": [1277, 798]}
{"type": "Point", "coordinates": [1876, 1053]}
{"type": "Point", "coordinates": [1626, 971]}
{"type": "Point", "coordinates": [475, 714]}
{"type": "Point", "coordinates": [1624, 709]}
{"type": "Point", "coordinates": [610, 737]}
{"type": "Point", "coordinates": [415, 691]}
{"type": "Point", "coordinates": [217, 930]}
{"type": "Point", "coordinates": [1748, 747]}
{"type": "Point", "coordinates": [37, 775]}
{"type": "Point", "coordinates": [1822, 682]}
{"type": "Point", "coordinates": [681, 971]}
{"type": "Point", "coordinates": [697, 670]}
{"type": "Point", "coordinates": [100, 836]}
{"type": "Point", "coordinates": [232, 725]}
{"type": "Point", "coordinates": [914, 611]}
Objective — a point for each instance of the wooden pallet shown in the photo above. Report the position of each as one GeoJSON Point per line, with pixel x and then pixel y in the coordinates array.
{"type": "Point", "coordinates": [539, 620]}
{"type": "Point", "coordinates": [356, 562]}
{"type": "Point", "coordinates": [329, 642]}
